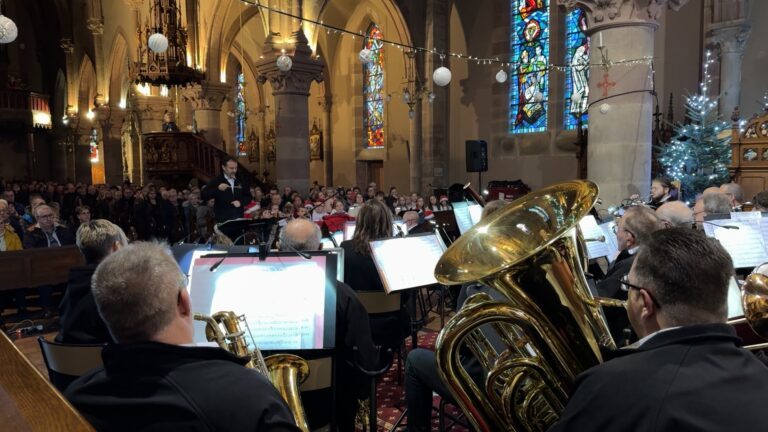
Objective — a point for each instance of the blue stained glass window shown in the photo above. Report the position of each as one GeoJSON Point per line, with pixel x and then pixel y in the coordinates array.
{"type": "Point", "coordinates": [577, 75]}
{"type": "Point", "coordinates": [373, 89]}
{"type": "Point", "coordinates": [240, 117]}
{"type": "Point", "coordinates": [529, 86]}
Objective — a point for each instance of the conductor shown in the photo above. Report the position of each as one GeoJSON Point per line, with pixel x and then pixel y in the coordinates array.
{"type": "Point", "coordinates": [229, 192]}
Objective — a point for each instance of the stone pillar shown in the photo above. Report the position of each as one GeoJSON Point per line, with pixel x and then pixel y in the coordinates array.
{"type": "Point", "coordinates": [96, 27]}
{"type": "Point", "coordinates": [327, 141]}
{"type": "Point", "coordinates": [416, 148]}
{"type": "Point", "coordinates": [436, 148]}
{"type": "Point", "coordinates": [206, 100]}
{"type": "Point", "coordinates": [111, 122]}
{"type": "Point", "coordinates": [619, 152]}
{"type": "Point", "coordinates": [291, 92]}
{"type": "Point", "coordinates": [732, 39]}
{"type": "Point", "coordinates": [31, 155]}
{"type": "Point", "coordinates": [261, 113]}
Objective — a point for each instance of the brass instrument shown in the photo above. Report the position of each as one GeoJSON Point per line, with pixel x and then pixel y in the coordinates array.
{"type": "Point", "coordinates": [285, 371]}
{"type": "Point", "coordinates": [551, 328]}
{"type": "Point", "coordinates": [754, 301]}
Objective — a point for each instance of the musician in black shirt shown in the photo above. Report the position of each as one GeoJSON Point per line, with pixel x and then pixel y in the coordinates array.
{"type": "Point", "coordinates": [153, 378]}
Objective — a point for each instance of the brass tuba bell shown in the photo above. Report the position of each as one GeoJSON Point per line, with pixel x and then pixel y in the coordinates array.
{"type": "Point", "coordinates": [285, 371]}
{"type": "Point", "coordinates": [754, 301]}
{"type": "Point", "coordinates": [549, 325]}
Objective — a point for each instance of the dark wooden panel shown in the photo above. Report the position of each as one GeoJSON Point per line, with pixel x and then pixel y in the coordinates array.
{"type": "Point", "coordinates": [34, 267]}
{"type": "Point", "coordinates": [27, 401]}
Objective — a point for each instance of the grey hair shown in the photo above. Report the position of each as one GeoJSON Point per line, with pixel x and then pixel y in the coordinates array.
{"type": "Point", "coordinates": [311, 243]}
{"type": "Point", "coordinates": [95, 239]}
{"type": "Point", "coordinates": [136, 291]}
{"type": "Point", "coordinates": [717, 203]}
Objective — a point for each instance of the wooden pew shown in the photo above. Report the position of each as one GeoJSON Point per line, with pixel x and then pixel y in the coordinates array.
{"type": "Point", "coordinates": [31, 268]}
{"type": "Point", "coordinates": [28, 402]}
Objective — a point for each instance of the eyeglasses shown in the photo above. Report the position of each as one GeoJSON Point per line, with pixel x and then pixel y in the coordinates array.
{"type": "Point", "coordinates": [626, 286]}
{"type": "Point", "coordinates": [616, 230]}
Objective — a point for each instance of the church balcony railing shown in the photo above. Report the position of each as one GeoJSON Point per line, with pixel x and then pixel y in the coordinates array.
{"type": "Point", "coordinates": [26, 107]}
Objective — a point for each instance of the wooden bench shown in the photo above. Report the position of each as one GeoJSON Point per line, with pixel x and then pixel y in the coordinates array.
{"type": "Point", "coordinates": [36, 267]}
{"type": "Point", "coordinates": [28, 402]}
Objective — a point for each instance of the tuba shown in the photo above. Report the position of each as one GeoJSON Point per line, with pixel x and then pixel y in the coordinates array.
{"type": "Point", "coordinates": [547, 326]}
{"type": "Point", "coordinates": [285, 371]}
{"type": "Point", "coordinates": [754, 301]}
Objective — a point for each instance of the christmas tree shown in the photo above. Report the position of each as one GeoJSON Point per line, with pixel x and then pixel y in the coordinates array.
{"type": "Point", "coordinates": [700, 151]}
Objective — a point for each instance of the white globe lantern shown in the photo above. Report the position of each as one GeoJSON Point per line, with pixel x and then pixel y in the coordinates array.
{"type": "Point", "coordinates": [501, 76]}
{"type": "Point", "coordinates": [284, 63]}
{"type": "Point", "coordinates": [365, 56]}
{"type": "Point", "coordinates": [8, 30]}
{"type": "Point", "coordinates": [442, 76]}
{"type": "Point", "coordinates": [158, 43]}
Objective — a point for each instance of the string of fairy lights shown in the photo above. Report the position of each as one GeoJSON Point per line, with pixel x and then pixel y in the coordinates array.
{"type": "Point", "coordinates": [441, 75]}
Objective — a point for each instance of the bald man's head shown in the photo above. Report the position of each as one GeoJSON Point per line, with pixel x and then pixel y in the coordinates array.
{"type": "Point", "coordinates": [675, 214]}
{"type": "Point", "coordinates": [711, 190]}
{"type": "Point", "coordinates": [411, 219]}
{"type": "Point", "coordinates": [301, 235]}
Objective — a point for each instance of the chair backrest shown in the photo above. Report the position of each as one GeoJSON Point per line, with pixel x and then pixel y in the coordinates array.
{"type": "Point", "coordinates": [66, 362]}
{"type": "Point", "coordinates": [378, 302]}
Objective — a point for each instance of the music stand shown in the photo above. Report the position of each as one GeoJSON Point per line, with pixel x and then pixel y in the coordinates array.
{"type": "Point", "coordinates": [446, 221]}
{"type": "Point", "coordinates": [236, 229]}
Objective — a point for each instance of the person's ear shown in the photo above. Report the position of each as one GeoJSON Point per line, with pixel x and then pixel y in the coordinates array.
{"type": "Point", "coordinates": [648, 306]}
{"type": "Point", "coordinates": [185, 303]}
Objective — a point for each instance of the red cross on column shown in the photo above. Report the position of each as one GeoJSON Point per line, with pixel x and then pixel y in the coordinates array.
{"type": "Point", "coordinates": [606, 84]}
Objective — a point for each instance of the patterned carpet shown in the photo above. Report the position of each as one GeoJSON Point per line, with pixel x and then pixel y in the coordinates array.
{"type": "Point", "coordinates": [391, 395]}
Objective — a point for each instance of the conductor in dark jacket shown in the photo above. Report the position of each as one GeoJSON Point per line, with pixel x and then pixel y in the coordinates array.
{"type": "Point", "coordinates": [687, 372]}
{"type": "Point", "coordinates": [79, 317]}
{"type": "Point", "coordinates": [230, 193]}
{"type": "Point", "coordinates": [153, 378]}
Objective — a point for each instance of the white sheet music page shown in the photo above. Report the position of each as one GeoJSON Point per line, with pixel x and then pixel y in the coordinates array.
{"type": "Point", "coordinates": [745, 244]}
{"type": "Point", "coordinates": [407, 262]}
{"type": "Point", "coordinates": [590, 230]}
{"type": "Point", "coordinates": [751, 215]}
{"type": "Point", "coordinates": [610, 239]}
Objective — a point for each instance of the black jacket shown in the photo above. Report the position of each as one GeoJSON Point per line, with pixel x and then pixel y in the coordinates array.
{"type": "Point", "coordinates": [694, 378]}
{"type": "Point", "coordinates": [79, 317]}
{"type": "Point", "coordinates": [610, 287]}
{"type": "Point", "coordinates": [154, 386]}
{"type": "Point", "coordinates": [223, 205]}
{"type": "Point", "coordinates": [36, 238]}
{"type": "Point", "coordinates": [359, 270]}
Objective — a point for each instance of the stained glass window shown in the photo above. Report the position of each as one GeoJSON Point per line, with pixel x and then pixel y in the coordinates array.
{"type": "Point", "coordinates": [529, 86]}
{"type": "Point", "coordinates": [373, 89]}
{"type": "Point", "coordinates": [240, 114]}
{"type": "Point", "coordinates": [577, 76]}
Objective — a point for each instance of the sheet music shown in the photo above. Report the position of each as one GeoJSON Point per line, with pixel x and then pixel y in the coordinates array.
{"type": "Point", "coordinates": [737, 216]}
{"type": "Point", "coordinates": [475, 213]}
{"type": "Point", "coordinates": [610, 240]}
{"type": "Point", "coordinates": [349, 229]}
{"type": "Point", "coordinates": [407, 262]}
{"type": "Point", "coordinates": [590, 230]}
{"type": "Point", "coordinates": [735, 308]}
{"type": "Point", "coordinates": [745, 244]}
{"type": "Point", "coordinates": [463, 216]}
{"type": "Point", "coordinates": [280, 314]}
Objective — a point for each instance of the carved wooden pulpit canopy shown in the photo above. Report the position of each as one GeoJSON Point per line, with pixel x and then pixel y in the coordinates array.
{"type": "Point", "coordinates": [749, 161]}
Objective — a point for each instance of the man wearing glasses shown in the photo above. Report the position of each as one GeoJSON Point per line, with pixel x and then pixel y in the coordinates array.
{"type": "Point", "coordinates": [632, 229]}
{"type": "Point", "coordinates": [687, 372]}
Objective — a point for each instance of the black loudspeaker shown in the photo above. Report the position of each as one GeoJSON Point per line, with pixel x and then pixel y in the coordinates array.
{"type": "Point", "coordinates": [477, 156]}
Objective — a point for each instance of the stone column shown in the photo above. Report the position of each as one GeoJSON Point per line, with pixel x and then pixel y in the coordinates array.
{"type": "Point", "coordinates": [31, 155]}
{"type": "Point", "coordinates": [619, 152]}
{"type": "Point", "coordinates": [415, 147]}
{"type": "Point", "coordinates": [291, 92]}
{"type": "Point", "coordinates": [96, 27]}
{"type": "Point", "coordinates": [732, 39]}
{"type": "Point", "coordinates": [111, 122]}
{"type": "Point", "coordinates": [206, 100]}
{"type": "Point", "coordinates": [261, 114]}
{"type": "Point", "coordinates": [327, 142]}
{"type": "Point", "coordinates": [149, 111]}
{"type": "Point", "coordinates": [436, 141]}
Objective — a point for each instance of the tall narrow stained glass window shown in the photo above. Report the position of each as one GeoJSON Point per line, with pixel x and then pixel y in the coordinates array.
{"type": "Point", "coordinates": [577, 75]}
{"type": "Point", "coordinates": [529, 86]}
{"type": "Point", "coordinates": [373, 89]}
{"type": "Point", "coordinates": [240, 114]}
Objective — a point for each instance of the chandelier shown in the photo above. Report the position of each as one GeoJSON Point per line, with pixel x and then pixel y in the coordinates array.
{"type": "Point", "coordinates": [162, 48]}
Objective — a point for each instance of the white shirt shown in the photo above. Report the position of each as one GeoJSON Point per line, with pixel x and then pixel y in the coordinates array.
{"type": "Point", "coordinates": [3, 246]}
{"type": "Point", "coordinates": [640, 343]}
{"type": "Point", "coordinates": [231, 182]}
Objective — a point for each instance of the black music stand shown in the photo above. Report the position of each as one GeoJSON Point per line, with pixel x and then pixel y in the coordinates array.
{"type": "Point", "coordinates": [237, 229]}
